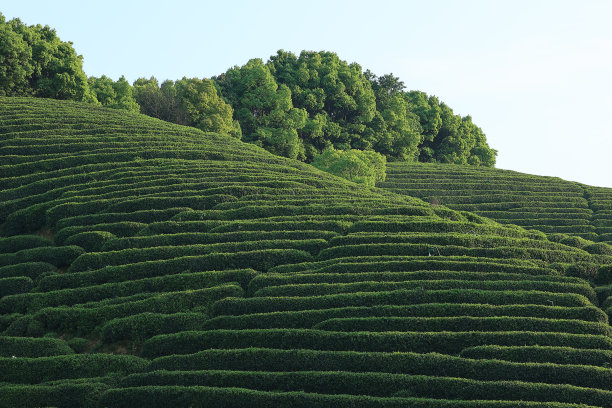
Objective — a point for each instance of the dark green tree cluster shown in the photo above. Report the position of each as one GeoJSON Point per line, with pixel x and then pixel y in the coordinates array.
{"type": "Point", "coordinates": [298, 106]}
{"type": "Point", "coordinates": [116, 95]}
{"type": "Point", "coordinates": [35, 62]}
{"type": "Point", "coordinates": [188, 101]}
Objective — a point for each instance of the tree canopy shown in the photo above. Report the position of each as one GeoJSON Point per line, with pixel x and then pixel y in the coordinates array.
{"type": "Point", "coordinates": [35, 62]}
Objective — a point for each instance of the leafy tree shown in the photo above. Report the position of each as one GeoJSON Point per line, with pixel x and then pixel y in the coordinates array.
{"type": "Point", "coordinates": [263, 108]}
{"type": "Point", "coordinates": [35, 62]}
{"type": "Point", "coordinates": [115, 95]}
{"type": "Point", "coordinates": [189, 101]}
{"type": "Point", "coordinates": [366, 167]}
{"type": "Point", "coordinates": [337, 97]}
{"type": "Point", "coordinates": [397, 130]}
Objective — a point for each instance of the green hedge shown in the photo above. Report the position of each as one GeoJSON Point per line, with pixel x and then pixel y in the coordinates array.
{"type": "Point", "coordinates": [144, 216]}
{"type": "Point", "coordinates": [236, 306]}
{"type": "Point", "coordinates": [133, 275]}
{"type": "Point", "coordinates": [26, 370]}
{"type": "Point", "coordinates": [209, 397]}
{"type": "Point", "coordinates": [307, 318]}
{"type": "Point", "coordinates": [540, 354]}
{"type": "Point", "coordinates": [421, 342]}
{"type": "Point", "coordinates": [32, 347]}
{"type": "Point", "coordinates": [37, 300]}
{"type": "Point", "coordinates": [84, 395]}
{"type": "Point", "coordinates": [84, 320]}
{"type": "Point", "coordinates": [58, 256]}
{"type": "Point", "coordinates": [119, 229]}
{"type": "Point", "coordinates": [425, 249]}
{"type": "Point", "coordinates": [32, 270]}
{"type": "Point", "coordinates": [91, 261]}
{"type": "Point", "coordinates": [19, 242]}
{"type": "Point", "coordinates": [320, 289]}
{"type": "Point", "coordinates": [265, 359]}
{"type": "Point", "coordinates": [374, 384]}
{"type": "Point", "coordinates": [15, 285]}
{"type": "Point", "coordinates": [175, 227]}
{"type": "Point", "coordinates": [91, 241]}
{"type": "Point", "coordinates": [140, 327]}
{"type": "Point", "coordinates": [408, 264]}
{"type": "Point", "coordinates": [191, 238]}
{"type": "Point", "coordinates": [462, 323]}
{"type": "Point", "coordinates": [437, 226]}
{"type": "Point", "coordinates": [340, 227]}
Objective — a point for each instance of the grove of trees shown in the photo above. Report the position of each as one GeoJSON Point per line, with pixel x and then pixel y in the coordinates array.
{"type": "Point", "coordinates": [297, 106]}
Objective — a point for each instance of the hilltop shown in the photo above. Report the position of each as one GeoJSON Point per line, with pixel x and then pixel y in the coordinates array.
{"type": "Point", "coordinates": [145, 263]}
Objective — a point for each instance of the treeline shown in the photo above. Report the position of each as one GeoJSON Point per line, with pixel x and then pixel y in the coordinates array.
{"type": "Point", "coordinates": [293, 106]}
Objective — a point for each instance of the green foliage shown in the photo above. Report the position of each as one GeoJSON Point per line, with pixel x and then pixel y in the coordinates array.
{"type": "Point", "coordinates": [115, 95]}
{"type": "Point", "coordinates": [263, 108]}
{"type": "Point", "coordinates": [34, 61]}
{"type": "Point", "coordinates": [68, 395]}
{"type": "Point", "coordinates": [535, 354]}
{"type": "Point", "coordinates": [32, 347]}
{"type": "Point", "coordinates": [189, 101]}
{"type": "Point", "coordinates": [366, 167]}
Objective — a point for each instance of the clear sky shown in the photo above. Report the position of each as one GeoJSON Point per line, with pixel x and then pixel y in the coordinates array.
{"type": "Point", "coordinates": [535, 75]}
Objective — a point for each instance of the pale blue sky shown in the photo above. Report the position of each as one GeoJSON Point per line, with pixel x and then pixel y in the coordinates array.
{"type": "Point", "coordinates": [534, 75]}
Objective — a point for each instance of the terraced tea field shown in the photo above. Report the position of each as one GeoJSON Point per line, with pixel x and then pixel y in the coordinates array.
{"type": "Point", "coordinates": [149, 264]}
{"type": "Point", "coordinates": [547, 204]}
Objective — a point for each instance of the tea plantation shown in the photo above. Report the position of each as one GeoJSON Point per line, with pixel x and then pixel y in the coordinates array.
{"type": "Point", "coordinates": [547, 204]}
{"type": "Point", "coordinates": [148, 264]}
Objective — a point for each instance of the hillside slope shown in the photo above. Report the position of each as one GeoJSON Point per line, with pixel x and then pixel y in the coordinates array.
{"type": "Point", "coordinates": [547, 204]}
{"type": "Point", "coordinates": [149, 264]}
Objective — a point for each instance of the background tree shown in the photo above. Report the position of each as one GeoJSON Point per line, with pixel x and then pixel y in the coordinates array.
{"type": "Point", "coordinates": [365, 167]}
{"type": "Point", "coordinates": [189, 101]}
{"type": "Point", "coordinates": [263, 108]}
{"type": "Point", "coordinates": [337, 97]}
{"type": "Point", "coordinates": [115, 95]}
{"type": "Point", "coordinates": [35, 62]}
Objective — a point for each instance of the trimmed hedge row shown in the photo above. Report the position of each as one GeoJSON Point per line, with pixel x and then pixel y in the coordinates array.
{"type": "Point", "coordinates": [37, 300]}
{"type": "Point", "coordinates": [462, 324]}
{"type": "Point", "coordinates": [140, 327]}
{"type": "Point", "coordinates": [119, 229]}
{"type": "Point", "coordinates": [91, 241]}
{"type": "Point", "coordinates": [321, 289]}
{"type": "Point", "coordinates": [26, 370]}
{"type": "Point", "coordinates": [439, 226]}
{"type": "Point", "coordinates": [403, 249]}
{"type": "Point", "coordinates": [187, 342]}
{"type": "Point", "coordinates": [278, 279]}
{"type": "Point", "coordinates": [58, 256]}
{"type": "Point", "coordinates": [374, 384]}
{"type": "Point", "coordinates": [307, 318]}
{"type": "Point", "coordinates": [92, 261]}
{"type": "Point", "coordinates": [32, 347]}
{"type": "Point", "coordinates": [68, 395]}
{"type": "Point", "coordinates": [210, 397]}
{"type": "Point", "coordinates": [407, 264]}
{"type": "Point", "coordinates": [540, 354]}
{"type": "Point", "coordinates": [176, 227]}
{"type": "Point", "coordinates": [442, 239]}
{"type": "Point", "coordinates": [19, 242]}
{"type": "Point", "coordinates": [84, 320]}
{"type": "Point", "coordinates": [340, 227]}
{"type": "Point", "coordinates": [237, 306]}
{"type": "Point", "coordinates": [191, 238]}
{"type": "Point", "coordinates": [434, 364]}
{"type": "Point", "coordinates": [15, 285]}
{"type": "Point", "coordinates": [144, 216]}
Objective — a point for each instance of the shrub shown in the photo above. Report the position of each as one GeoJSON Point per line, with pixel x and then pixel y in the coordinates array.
{"type": "Point", "coordinates": [421, 342]}
{"type": "Point", "coordinates": [267, 359]}
{"type": "Point", "coordinates": [19, 242]}
{"type": "Point", "coordinates": [36, 370]}
{"type": "Point", "coordinates": [68, 395]}
{"type": "Point", "coordinates": [15, 285]}
{"type": "Point", "coordinates": [32, 347]}
{"type": "Point", "coordinates": [78, 344]}
{"type": "Point", "coordinates": [142, 326]}
{"type": "Point", "coordinates": [539, 354]}
{"type": "Point", "coordinates": [90, 241]}
{"type": "Point", "coordinates": [32, 270]}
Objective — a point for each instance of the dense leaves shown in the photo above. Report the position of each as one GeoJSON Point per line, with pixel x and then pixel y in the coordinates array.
{"type": "Point", "coordinates": [366, 167]}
